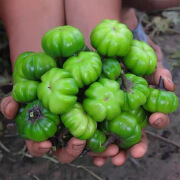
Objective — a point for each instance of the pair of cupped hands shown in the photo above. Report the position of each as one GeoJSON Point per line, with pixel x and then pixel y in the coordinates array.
{"type": "Point", "coordinates": [9, 108]}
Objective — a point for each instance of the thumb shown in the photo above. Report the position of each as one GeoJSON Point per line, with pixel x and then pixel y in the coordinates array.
{"type": "Point", "coordinates": [9, 107]}
{"type": "Point", "coordinates": [72, 151]}
{"type": "Point", "coordinates": [153, 79]}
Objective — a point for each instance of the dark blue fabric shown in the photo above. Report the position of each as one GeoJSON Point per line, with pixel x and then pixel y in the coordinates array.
{"type": "Point", "coordinates": [140, 35]}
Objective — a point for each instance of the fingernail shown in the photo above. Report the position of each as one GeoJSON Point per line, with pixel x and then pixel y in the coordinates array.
{"type": "Point", "coordinates": [157, 122]}
{"type": "Point", "coordinates": [169, 80]}
{"type": "Point", "coordinates": [78, 147]}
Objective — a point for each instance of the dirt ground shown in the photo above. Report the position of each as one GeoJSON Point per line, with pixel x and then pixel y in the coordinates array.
{"type": "Point", "coordinates": [162, 161]}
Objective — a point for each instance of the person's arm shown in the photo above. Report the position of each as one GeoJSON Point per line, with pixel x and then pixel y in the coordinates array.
{"type": "Point", "coordinates": [86, 14]}
{"type": "Point", "coordinates": [26, 21]}
{"type": "Point", "coordinates": [150, 5]}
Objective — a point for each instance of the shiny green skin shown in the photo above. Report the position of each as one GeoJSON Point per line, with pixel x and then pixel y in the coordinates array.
{"type": "Point", "coordinates": [96, 142]}
{"type": "Point", "coordinates": [62, 41]}
{"type": "Point", "coordinates": [141, 115]}
{"type": "Point", "coordinates": [60, 61]}
{"type": "Point", "coordinates": [36, 64]}
{"type": "Point", "coordinates": [126, 127]}
{"type": "Point", "coordinates": [79, 123]}
{"type": "Point", "coordinates": [38, 128]}
{"type": "Point", "coordinates": [111, 38]}
{"type": "Point", "coordinates": [25, 91]}
{"type": "Point", "coordinates": [111, 68]}
{"type": "Point", "coordinates": [58, 90]}
{"type": "Point", "coordinates": [18, 75]}
{"type": "Point", "coordinates": [161, 101]}
{"type": "Point", "coordinates": [31, 66]}
{"type": "Point", "coordinates": [103, 100]}
{"type": "Point", "coordinates": [19, 124]}
{"type": "Point", "coordinates": [137, 95]}
{"type": "Point", "coordinates": [85, 68]}
{"type": "Point", "coordinates": [141, 58]}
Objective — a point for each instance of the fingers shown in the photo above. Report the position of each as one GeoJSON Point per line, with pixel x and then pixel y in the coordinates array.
{"type": "Point", "coordinates": [112, 150]}
{"type": "Point", "coordinates": [99, 161]}
{"type": "Point", "coordinates": [72, 151]}
{"type": "Point", "coordinates": [157, 50]}
{"type": "Point", "coordinates": [38, 148]}
{"type": "Point", "coordinates": [9, 107]}
{"type": "Point", "coordinates": [139, 150]}
{"type": "Point", "coordinates": [159, 120]}
{"type": "Point", "coordinates": [153, 79]}
{"type": "Point", "coordinates": [119, 159]}
{"type": "Point", "coordinates": [160, 71]}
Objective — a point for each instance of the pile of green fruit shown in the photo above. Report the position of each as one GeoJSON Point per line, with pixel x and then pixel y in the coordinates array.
{"type": "Point", "coordinates": [99, 96]}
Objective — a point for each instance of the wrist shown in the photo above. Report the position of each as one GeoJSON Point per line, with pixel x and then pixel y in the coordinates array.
{"type": "Point", "coordinates": [128, 17]}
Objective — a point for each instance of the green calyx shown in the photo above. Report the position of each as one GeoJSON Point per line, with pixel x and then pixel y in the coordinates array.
{"type": "Point", "coordinates": [35, 114]}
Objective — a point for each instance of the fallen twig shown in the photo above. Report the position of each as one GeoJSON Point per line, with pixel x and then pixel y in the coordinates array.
{"type": "Point", "coordinates": [136, 163]}
{"type": "Point", "coordinates": [73, 165]}
{"type": "Point", "coordinates": [35, 177]}
{"type": "Point", "coordinates": [10, 135]}
{"type": "Point", "coordinates": [173, 30]}
{"type": "Point", "coordinates": [22, 151]}
{"type": "Point", "coordinates": [27, 155]}
{"type": "Point", "coordinates": [162, 138]}
{"type": "Point", "coordinates": [4, 147]}
{"type": "Point", "coordinates": [11, 159]}
{"type": "Point", "coordinates": [51, 159]}
{"type": "Point", "coordinates": [89, 171]}
{"type": "Point", "coordinates": [172, 9]}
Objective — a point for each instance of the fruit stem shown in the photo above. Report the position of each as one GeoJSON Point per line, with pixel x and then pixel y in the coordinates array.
{"type": "Point", "coordinates": [113, 138]}
{"type": "Point", "coordinates": [84, 152]}
{"type": "Point", "coordinates": [126, 84]}
{"type": "Point", "coordinates": [161, 84]}
{"type": "Point", "coordinates": [60, 139]}
{"type": "Point", "coordinates": [62, 135]}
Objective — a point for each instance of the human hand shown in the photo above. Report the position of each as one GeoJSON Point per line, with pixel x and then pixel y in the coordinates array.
{"type": "Point", "coordinates": [64, 155]}
{"type": "Point", "coordinates": [119, 156]}
{"type": "Point", "coordinates": [160, 120]}
{"type": "Point", "coordinates": [156, 120]}
{"type": "Point", "coordinates": [9, 108]}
